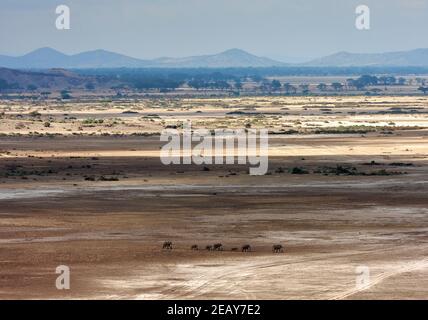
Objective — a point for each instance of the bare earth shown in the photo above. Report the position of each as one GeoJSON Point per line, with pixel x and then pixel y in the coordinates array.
{"type": "Point", "coordinates": [103, 205]}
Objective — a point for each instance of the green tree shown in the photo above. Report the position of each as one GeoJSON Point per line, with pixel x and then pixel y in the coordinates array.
{"type": "Point", "coordinates": [337, 86]}
{"type": "Point", "coordinates": [65, 95]}
{"type": "Point", "coordinates": [276, 85]}
{"type": "Point", "coordinates": [423, 89]}
{"type": "Point", "coordinates": [304, 88]}
{"type": "Point", "coordinates": [401, 81]}
{"type": "Point", "coordinates": [322, 87]}
{"type": "Point", "coordinates": [289, 88]}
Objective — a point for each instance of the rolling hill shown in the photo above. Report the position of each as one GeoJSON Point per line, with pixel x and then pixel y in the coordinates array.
{"type": "Point", "coordinates": [52, 79]}
{"type": "Point", "coordinates": [413, 58]}
{"type": "Point", "coordinates": [233, 58]}
{"type": "Point", "coordinates": [46, 58]}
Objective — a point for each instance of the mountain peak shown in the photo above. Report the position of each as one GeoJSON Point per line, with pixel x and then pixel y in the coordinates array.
{"type": "Point", "coordinates": [412, 58]}
{"type": "Point", "coordinates": [45, 52]}
{"type": "Point", "coordinates": [46, 58]}
{"type": "Point", "coordinates": [98, 51]}
{"type": "Point", "coordinates": [236, 52]}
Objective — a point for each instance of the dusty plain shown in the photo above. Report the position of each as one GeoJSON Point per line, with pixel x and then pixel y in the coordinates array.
{"type": "Point", "coordinates": [82, 185]}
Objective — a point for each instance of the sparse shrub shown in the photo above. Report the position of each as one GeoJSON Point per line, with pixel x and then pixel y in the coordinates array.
{"type": "Point", "coordinates": [298, 170]}
{"type": "Point", "coordinates": [91, 121]}
{"type": "Point", "coordinates": [34, 114]}
{"type": "Point", "coordinates": [102, 178]}
{"type": "Point", "coordinates": [20, 126]}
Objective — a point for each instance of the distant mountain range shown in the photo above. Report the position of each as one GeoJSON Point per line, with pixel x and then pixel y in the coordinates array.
{"type": "Point", "coordinates": [46, 58]}
{"type": "Point", "coordinates": [413, 58]}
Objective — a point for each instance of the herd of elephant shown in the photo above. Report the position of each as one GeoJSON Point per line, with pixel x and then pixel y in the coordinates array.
{"type": "Point", "coordinates": [276, 248]}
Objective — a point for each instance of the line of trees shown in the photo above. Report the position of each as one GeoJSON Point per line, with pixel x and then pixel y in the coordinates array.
{"type": "Point", "coordinates": [234, 80]}
{"type": "Point", "coordinates": [369, 80]}
{"type": "Point", "coordinates": [423, 89]}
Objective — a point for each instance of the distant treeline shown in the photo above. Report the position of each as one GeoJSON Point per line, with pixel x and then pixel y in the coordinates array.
{"type": "Point", "coordinates": [262, 72]}
{"type": "Point", "coordinates": [232, 80]}
{"type": "Point", "coordinates": [203, 78]}
{"type": "Point", "coordinates": [168, 78]}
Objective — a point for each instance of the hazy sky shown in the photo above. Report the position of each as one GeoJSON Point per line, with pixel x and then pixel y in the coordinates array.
{"type": "Point", "coordinates": [281, 29]}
